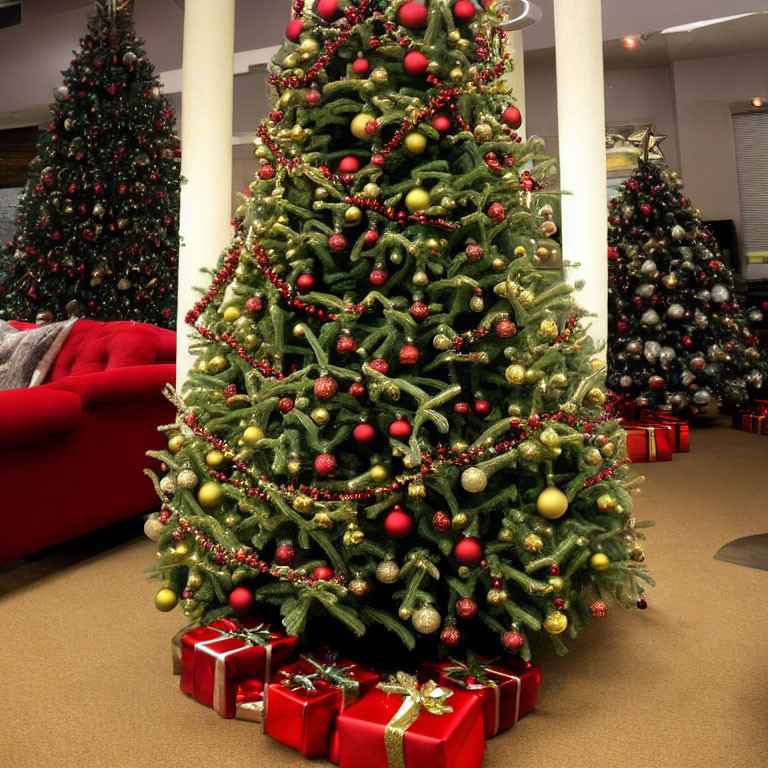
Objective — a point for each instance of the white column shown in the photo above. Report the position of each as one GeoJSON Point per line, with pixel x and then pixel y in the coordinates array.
{"type": "Point", "coordinates": [206, 159]}
{"type": "Point", "coordinates": [581, 128]}
{"type": "Point", "coordinates": [516, 79]}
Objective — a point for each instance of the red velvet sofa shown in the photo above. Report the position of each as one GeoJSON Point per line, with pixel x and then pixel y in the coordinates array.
{"type": "Point", "coordinates": [72, 450]}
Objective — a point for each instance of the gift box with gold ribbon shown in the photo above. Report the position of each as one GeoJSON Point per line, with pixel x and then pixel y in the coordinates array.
{"type": "Point", "coordinates": [508, 689]}
{"type": "Point", "coordinates": [306, 698]}
{"type": "Point", "coordinates": [752, 417]}
{"type": "Point", "coordinates": [647, 443]}
{"type": "Point", "coordinates": [677, 430]}
{"type": "Point", "coordinates": [402, 724]}
{"type": "Point", "coordinates": [216, 658]}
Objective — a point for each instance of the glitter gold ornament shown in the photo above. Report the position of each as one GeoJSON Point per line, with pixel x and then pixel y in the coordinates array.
{"type": "Point", "coordinates": [358, 587]}
{"type": "Point", "coordinates": [496, 596]}
{"type": "Point", "coordinates": [459, 521]}
{"type": "Point", "coordinates": [474, 480]}
{"type": "Point", "coordinates": [293, 466]}
{"type": "Point", "coordinates": [153, 528]}
{"type": "Point", "coordinates": [420, 279]}
{"type": "Point", "coordinates": [309, 45]}
{"type": "Point", "coordinates": [416, 491]}
{"type": "Point", "coordinates": [380, 76]}
{"type": "Point", "coordinates": [441, 342]}
{"type": "Point", "coordinates": [387, 571]}
{"type": "Point", "coordinates": [595, 396]}
{"type": "Point", "coordinates": [515, 374]}
{"type": "Point", "coordinates": [526, 298]}
{"type": "Point", "coordinates": [209, 495]}
{"type": "Point", "coordinates": [498, 265]}
{"type": "Point", "coordinates": [559, 381]}
{"type": "Point", "coordinates": [592, 456]}
{"type": "Point", "coordinates": [298, 331]}
{"type": "Point", "coordinates": [187, 479]}
{"type": "Point", "coordinates": [353, 214]}
{"type": "Point", "coordinates": [404, 612]}
{"type": "Point", "coordinates": [556, 582]}
{"type": "Point", "coordinates": [483, 132]}
{"type": "Point", "coordinates": [599, 562]}
{"type": "Point", "coordinates": [252, 435]}
{"type": "Point", "coordinates": [552, 503]}
{"type": "Point", "coordinates": [194, 580]}
{"type": "Point", "coordinates": [320, 416]}
{"type": "Point", "coordinates": [426, 620]}
{"type": "Point", "coordinates": [550, 438]}
{"type": "Point", "coordinates": [606, 503]}
{"type": "Point", "coordinates": [168, 485]}
{"type": "Point", "coordinates": [506, 535]}
{"type": "Point", "coordinates": [548, 329]}
{"type": "Point", "coordinates": [217, 364]}
{"type": "Point", "coordinates": [371, 191]}
{"type": "Point", "coordinates": [302, 503]}
{"type": "Point", "coordinates": [533, 543]}
{"type": "Point", "coordinates": [528, 450]}
{"type": "Point", "coordinates": [166, 600]}
{"type": "Point", "coordinates": [323, 520]}
{"type": "Point", "coordinates": [353, 536]}
{"type": "Point", "coordinates": [556, 623]}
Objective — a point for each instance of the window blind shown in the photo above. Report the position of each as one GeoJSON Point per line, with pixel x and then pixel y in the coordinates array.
{"type": "Point", "coordinates": [750, 133]}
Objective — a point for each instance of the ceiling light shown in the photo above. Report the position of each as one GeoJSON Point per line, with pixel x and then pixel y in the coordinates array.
{"type": "Point", "coordinates": [630, 42]}
{"type": "Point", "coordinates": [707, 23]}
{"type": "Point", "coordinates": [757, 102]}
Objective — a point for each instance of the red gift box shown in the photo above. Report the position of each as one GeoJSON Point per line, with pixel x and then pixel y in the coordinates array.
{"type": "Point", "coordinates": [249, 701]}
{"type": "Point", "coordinates": [647, 443]}
{"type": "Point", "coordinates": [176, 648]}
{"type": "Point", "coordinates": [215, 659]}
{"type": "Point", "coordinates": [508, 690]}
{"type": "Point", "coordinates": [753, 418]}
{"type": "Point", "coordinates": [303, 707]}
{"type": "Point", "coordinates": [395, 730]}
{"type": "Point", "coordinates": [677, 430]}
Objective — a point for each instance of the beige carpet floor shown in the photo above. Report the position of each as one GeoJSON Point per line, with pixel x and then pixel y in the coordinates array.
{"type": "Point", "coordinates": [85, 674]}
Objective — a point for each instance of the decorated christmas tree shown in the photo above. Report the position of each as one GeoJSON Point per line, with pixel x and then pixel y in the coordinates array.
{"type": "Point", "coordinates": [679, 335]}
{"type": "Point", "coordinates": [97, 228]}
{"type": "Point", "coordinates": [394, 424]}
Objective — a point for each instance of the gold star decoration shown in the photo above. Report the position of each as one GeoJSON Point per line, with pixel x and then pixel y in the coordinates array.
{"type": "Point", "coordinates": [648, 143]}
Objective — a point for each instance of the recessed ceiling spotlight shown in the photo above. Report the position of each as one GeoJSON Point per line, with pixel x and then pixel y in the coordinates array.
{"type": "Point", "coordinates": [630, 42]}
{"type": "Point", "coordinates": [757, 102]}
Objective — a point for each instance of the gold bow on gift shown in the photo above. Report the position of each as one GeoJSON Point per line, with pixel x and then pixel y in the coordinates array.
{"type": "Point", "coordinates": [328, 673]}
{"type": "Point", "coordinates": [429, 696]}
{"type": "Point", "coordinates": [259, 635]}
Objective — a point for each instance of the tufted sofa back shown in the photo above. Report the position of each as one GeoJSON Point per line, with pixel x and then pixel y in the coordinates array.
{"type": "Point", "coordinates": [94, 346]}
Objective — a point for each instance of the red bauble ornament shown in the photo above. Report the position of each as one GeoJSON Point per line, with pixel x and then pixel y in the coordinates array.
{"type": "Point", "coordinates": [360, 66]}
{"type": "Point", "coordinates": [687, 341]}
{"type": "Point", "coordinates": [325, 464]}
{"type": "Point", "coordinates": [505, 329]}
{"type": "Point", "coordinates": [356, 389]}
{"type": "Point", "coordinates": [325, 387]}
{"type": "Point", "coordinates": [441, 521]}
{"type": "Point", "coordinates": [474, 252]}
{"type": "Point", "coordinates": [412, 15]}
{"type": "Point", "coordinates": [409, 355]}
{"type": "Point", "coordinates": [327, 9]}
{"type": "Point", "coordinates": [482, 407]}
{"type": "Point", "coordinates": [642, 603]}
{"type": "Point", "coordinates": [441, 123]}
{"type": "Point", "coordinates": [253, 304]}
{"type": "Point", "coordinates": [400, 429]}
{"type": "Point", "coordinates": [461, 408]}
{"type": "Point", "coordinates": [463, 10]}
{"type": "Point", "coordinates": [337, 242]}
{"type": "Point", "coordinates": [466, 608]}
{"type": "Point", "coordinates": [285, 405]}
{"type": "Point", "coordinates": [345, 345]}
{"type": "Point", "coordinates": [559, 603]}
{"type": "Point", "coordinates": [314, 98]}
{"type": "Point", "coordinates": [364, 434]}
{"type": "Point", "coordinates": [419, 310]}
{"type": "Point", "coordinates": [241, 599]}
{"type": "Point", "coordinates": [646, 209]}
{"type": "Point", "coordinates": [349, 164]}
{"type": "Point", "coordinates": [305, 283]}
{"type": "Point", "coordinates": [415, 63]}
{"type": "Point", "coordinates": [322, 573]}
{"type": "Point", "coordinates": [398, 524]}
{"type": "Point", "coordinates": [378, 159]}
{"type": "Point", "coordinates": [512, 117]}
{"type": "Point", "coordinates": [512, 641]}
{"type": "Point", "coordinates": [294, 29]}
{"type": "Point", "coordinates": [371, 237]}
{"type": "Point", "coordinates": [284, 554]}
{"type": "Point", "coordinates": [378, 277]}
{"type": "Point", "coordinates": [496, 211]}
{"type": "Point", "coordinates": [380, 365]}
{"type": "Point", "coordinates": [468, 552]}
{"type": "Point", "coordinates": [554, 570]}
{"type": "Point", "coordinates": [598, 609]}
{"type": "Point", "coordinates": [450, 636]}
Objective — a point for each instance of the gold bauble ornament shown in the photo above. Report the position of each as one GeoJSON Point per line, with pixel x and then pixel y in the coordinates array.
{"type": "Point", "coordinates": [417, 200]}
{"type": "Point", "coordinates": [291, 60]}
{"type": "Point", "coordinates": [371, 191]}
{"type": "Point", "coordinates": [559, 381]}
{"type": "Point", "coordinates": [556, 623]}
{"type": "Point", "coordinates": [459, 521]}
{"type": "Point", "coordinates": [168, 485]}
{"type": "Point", "coordinates": [515, 374]}
{"type": "Point", "coordinates": [404, 612]}
{"type": "Point", "coordinates": [416, 491]}
{"type": "Point", "coordinates": [441, 342]}
{"type": "Point", "coordinates": [387, 571]}
{"type": "Point", "coordinates": [526, 298]}
{"type": "Point", "coordinates": [214, 459]}
{"type": "Point", "coordinates": [353, 536]}
{"type": "Point", "coordinates": [201, 366]}
{"type": "Point", "coordinates": [506, 535]}
{"type": "Point", "coordinates": [166, 600]}
{"type": "Point", "coordinates": [606, 503]}
{"type": "Point", "coordinates": [548, 329]}
{"type": "Point", "coordinates": [180, 550]}
{"type": "Point", "coordinates": [528, 450]}
{"type": "Point", "coordinates": [302, 503]}
{"type": "Point", "coordinates": [217, 364]}
{"type": "Point", "coordinates": [252, 435]}
{"type": "Point", "coordinates": [550, 438]}
{"type": "Point", "coordinates": [637, 553]}
{"type": "Point", "coordinates": [186, 479]}
{"type": "Point", "coordinates": [323, 520]}
{"type": "Point", "coordinates": [379, 473]}
{"type": "Point", "coordinates": [299, 133]}
{"type": "Point", "coordinates": [357, 126]}
{"type": "Point", "coordinates": [353, 214]}
{"type": "Point", "coordinates": [498, 265]}
{"type": "Point", "coordinates": [420, 279]}
{"type": "Point", "coordinates": [320, 416]}
{"type": "Point", "coordinates": [194, 580]}
{"type": "Point", "coordinates": [293, 466]}
{"type": "Point", "coordinates": [556, 582]}
{"type": "Point", "coordinates": [358, 587]}
{"type": "Point", "coordinates": [552, 503]}
{"type": "Point", "coordinates": [496, 596]}
{"type": "Point", "coordinates": [426, 620]}
{"type": "Point", "coordinates": [415, 143]}
{"type": "Point", "coordinates": [153, 528]}
{"type": "Point", "coordinates": [379, 75]}
{"type": "Point", "coordinates": [474, 480]}
{"type": "Point", "coordinates": [250, 341]}
{"type": "Point", "coordinates": [608, 449]}
{"type": "Point", "coordinates": [299, 332]}
{"type": "Point", "coordinates": [175, 443]}
{"type": "Point", "coordinates": [599, 562]}
{"type": "Point", "coordinates": [459, 447]}
{"type": "Point", "coordinates": [230, 314]}
{"type": "Point", "coordinates": [456, 74]}
{"type": "Point", "coordinates": [309, 45]}
{"type": "Point", "coordinates": [483, 133]}
{"type": "Point", "coordinates": [533, 543]}
{"type": "Point", "coordinates": [595, 396]}
{"type": "Point", "coordinates": [210, 495]}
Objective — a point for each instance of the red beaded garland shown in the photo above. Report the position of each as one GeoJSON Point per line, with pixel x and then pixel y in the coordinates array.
{"type": "Point", "coordinates": [398, 524]}
{"type": "Point", "coordinates": [415, 63]}
{"type": "Point", "coordinates": [325, 387]}
{"type": "Point", "coordinates": [400, 429]}
{"type": "Point", "coordinates": [325, 464]}
{"type": "Point", "coordinates": [512, 641]}
{"type": "Point", "coordinates": [468, 552]}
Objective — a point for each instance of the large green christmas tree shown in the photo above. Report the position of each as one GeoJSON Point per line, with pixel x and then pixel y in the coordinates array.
{"type": "Point", "coordinates": [97, 229]}
{"type": "Point", "coordinates": [679, 333]}
{"type": "Point", "coordinates": [394, 424]}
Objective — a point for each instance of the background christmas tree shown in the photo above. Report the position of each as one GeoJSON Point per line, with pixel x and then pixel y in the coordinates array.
{"type": "Point", "coordinates": [97, 230]}
{"type": "Point", "coordinates": [679, 335]}
{"type": "Point", "coordinates": [394, 424]}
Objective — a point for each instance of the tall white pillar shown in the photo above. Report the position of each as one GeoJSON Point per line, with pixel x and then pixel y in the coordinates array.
{"type": "Point", "coordinates": [206, 159]}
{"type": "Point", "coordinates": [581, 128]}
{"type": "Point", "coordinates": [516, 78]}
